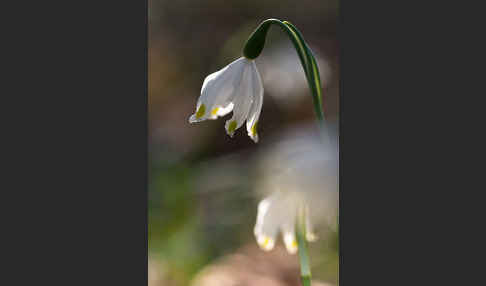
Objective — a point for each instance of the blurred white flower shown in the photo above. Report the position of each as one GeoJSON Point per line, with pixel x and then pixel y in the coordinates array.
{"type": "Point", "coordinates": [237, 87]}
{"type": "Point", "coordinates": [297, 171]}
{"type": "Point", "coordinates": [278, 212]}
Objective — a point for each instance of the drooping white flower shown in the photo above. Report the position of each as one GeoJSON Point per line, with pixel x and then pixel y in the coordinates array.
{"type": "Point", "coordinates": [278, 213]}
{"type": "Point", "coordinates": [298, 172]}
{"type": "Point", "coordinates": [237, 87]}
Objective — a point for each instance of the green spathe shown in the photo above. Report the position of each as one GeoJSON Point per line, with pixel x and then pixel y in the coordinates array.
{"type": "Point", "coordinates": [255, 43]}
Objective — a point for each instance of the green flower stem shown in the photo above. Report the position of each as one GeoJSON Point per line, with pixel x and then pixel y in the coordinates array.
{"type": "Point", "coordinates": [254, 46]}
{"type": "Point", "coordinates": [314, 71]}
{"type": "Point", "coordinates": [305, 271]}
{"type": "Point", "coordinates": [315, 86]}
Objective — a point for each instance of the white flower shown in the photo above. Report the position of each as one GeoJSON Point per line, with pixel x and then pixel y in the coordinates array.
{"type": "Point", "coordinates": [297, 171]}
{"type": "Point", "coordinates": [278, 213]}
{"type": "Point", "coordinates": [237, 87]}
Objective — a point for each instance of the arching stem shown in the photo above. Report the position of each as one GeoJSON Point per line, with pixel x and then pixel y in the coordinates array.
{"type": "Point", "coordinates": [254, 46]}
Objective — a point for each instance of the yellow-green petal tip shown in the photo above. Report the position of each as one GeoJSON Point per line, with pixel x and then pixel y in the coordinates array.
{"type": "Point", "coordinates": [200, 111]}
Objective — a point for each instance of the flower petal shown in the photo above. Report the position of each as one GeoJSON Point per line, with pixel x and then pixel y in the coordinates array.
{"type": "Point", "coordinates": [266, 242]}
{"type": "Point", "coordinates": [243, 99]}
{"type": "Point", "coordinates": [309, 229]}
{"type": "Point", "coordinates": [217, 92]}
{"type": "Point", "coordinates": [256, 107]}
{"type": "Point", "coordinates": [290, 242]}
{"type": "Point", "coordinates": [266, 228]}
{"type": "Point", "coordinates": [288, 233]}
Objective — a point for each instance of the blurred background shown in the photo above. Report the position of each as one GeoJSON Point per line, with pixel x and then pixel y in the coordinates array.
{"type": "Point", "coordinates": [204, 187]}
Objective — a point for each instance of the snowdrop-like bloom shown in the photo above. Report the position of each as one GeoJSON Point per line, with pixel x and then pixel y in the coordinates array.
{"type": "Point", "coordinates": [299, 173]}
{"type": "Point", "coordinates": [237, 87]}
{"type": "Point", "coordinates": [278, 213]}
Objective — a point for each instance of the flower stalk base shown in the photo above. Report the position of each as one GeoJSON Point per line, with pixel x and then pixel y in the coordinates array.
{"type": "Point", "coordinates": [305, 271]}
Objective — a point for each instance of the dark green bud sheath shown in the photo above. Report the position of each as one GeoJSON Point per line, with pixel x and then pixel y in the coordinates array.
{"type": "Point", "coordinates": [254, 46]}
{"type": "Point", "coordinates": [255, 43]}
